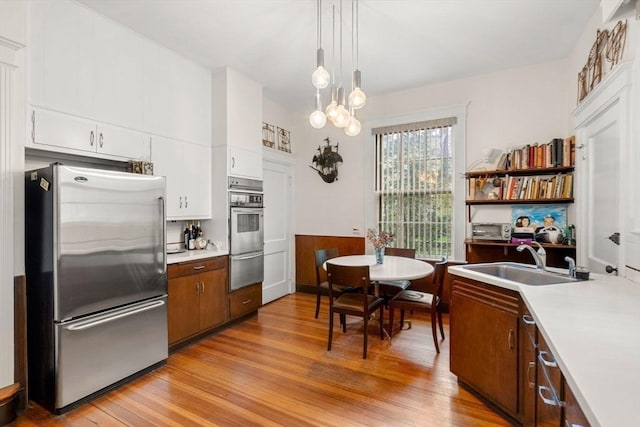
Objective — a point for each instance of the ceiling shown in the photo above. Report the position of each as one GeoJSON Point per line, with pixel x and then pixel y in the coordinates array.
{"type": "Point", "coordinates": [403, 43]}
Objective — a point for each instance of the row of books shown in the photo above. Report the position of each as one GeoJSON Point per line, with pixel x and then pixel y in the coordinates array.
{"type": "Point", "coordinates": [533, 187]}
{"type": "Point", "coordinates": [556, 153]}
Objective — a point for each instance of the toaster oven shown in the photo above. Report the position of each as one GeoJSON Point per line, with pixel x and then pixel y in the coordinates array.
{"type": "Point", "coordinates": [490, 231]}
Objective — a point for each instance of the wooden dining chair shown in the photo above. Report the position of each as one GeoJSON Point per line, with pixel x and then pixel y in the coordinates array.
{"type": "Point", "coordinates": [422, 301]}
{"type": "Point", "coordinates": [321, 256]}
{"type": "Point", "coordinates": [390, 288]}
{"type": "Point", "coordinates": [353, 304]}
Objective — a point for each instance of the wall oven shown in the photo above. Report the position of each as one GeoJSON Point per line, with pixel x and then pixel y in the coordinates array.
{"type": "Point", "coordinates": [246, 238]}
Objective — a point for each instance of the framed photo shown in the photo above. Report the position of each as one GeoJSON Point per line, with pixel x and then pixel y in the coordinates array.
{"type": "Point", "coordinates": [529, 219]}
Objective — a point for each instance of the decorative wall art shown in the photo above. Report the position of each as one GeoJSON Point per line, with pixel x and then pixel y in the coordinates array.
{"type": "Point", "coordinates": [268, 135]}
{"type": "Point", "coordinates": [609, 44]}
{"type": "Point", "coordinates": [326, 162]}
{"type": "Point", "coordinates": [284, 140]}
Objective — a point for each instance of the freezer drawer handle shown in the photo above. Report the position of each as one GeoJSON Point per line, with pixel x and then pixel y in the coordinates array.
{"type": "Point", "coordinates": [88, 325]}
{"type": "Point", "coordinates": [240, 258]}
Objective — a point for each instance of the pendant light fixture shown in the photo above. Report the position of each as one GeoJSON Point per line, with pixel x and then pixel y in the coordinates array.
{"type": "Point", "coordinates": [340, 113]}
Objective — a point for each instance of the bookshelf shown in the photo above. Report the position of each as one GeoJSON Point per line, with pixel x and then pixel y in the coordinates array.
{"type": "Point", "coordinates": [532, 175]}
{"type": "Point", "coordinates": [520, 186]}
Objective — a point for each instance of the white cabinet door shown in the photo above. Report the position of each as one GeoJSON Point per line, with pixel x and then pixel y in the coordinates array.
{"type": "Point", "coordinates": [196, 174]}
{"type": "Point", "coordinates": [187, 168]}
{"type": "Point", "coordinates": [52, 130]}
{"type": "Point", "coordinates": [167, 158]}
{"type": "Point", "coordinates": [122, 142]}
{"type": "Point", "coordinates": [118, 74]}
{"type": "Point", "coordinates": [59, 61]}
{"type": "Point", "coordinates": [244, 163]}
{"type": "Point", "coordinates": [244, 112]}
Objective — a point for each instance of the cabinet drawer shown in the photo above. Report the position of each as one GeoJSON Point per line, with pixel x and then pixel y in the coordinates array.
{"type": "Point", "coordinates": [195, 267]}
{"type": "Point", "coordinates": [245, 300]}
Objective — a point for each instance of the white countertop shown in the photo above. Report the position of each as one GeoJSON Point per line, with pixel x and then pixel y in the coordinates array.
{"type": "Point", "coordinates": [194, 255]}
{"type": "Point", "coordinates": [593, 330]}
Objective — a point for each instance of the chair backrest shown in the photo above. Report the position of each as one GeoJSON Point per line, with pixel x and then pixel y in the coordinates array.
{"type": "Point", "coordinates": [439, 270]}
{"type": "Point", "coordinates": [403, 252]}
{"type": "Point", "coordinates": [356, 277]}
{"type": "Point", "coordinates": [322, 255]}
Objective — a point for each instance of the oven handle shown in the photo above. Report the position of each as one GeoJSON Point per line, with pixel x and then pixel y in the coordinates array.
{"type": "Point", "coordinates": [250, 256]}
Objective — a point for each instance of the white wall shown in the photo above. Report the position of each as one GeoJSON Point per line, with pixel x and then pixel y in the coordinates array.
{"type": "Point", "coordinates": [506, 109]}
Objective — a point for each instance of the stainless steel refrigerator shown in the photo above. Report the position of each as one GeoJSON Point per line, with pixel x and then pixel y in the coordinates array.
{"type": "Point", "coordinates": [95, 256]}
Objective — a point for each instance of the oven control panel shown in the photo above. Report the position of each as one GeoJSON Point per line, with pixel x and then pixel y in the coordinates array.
{"type": "Point", "coordinates": [249, 200]}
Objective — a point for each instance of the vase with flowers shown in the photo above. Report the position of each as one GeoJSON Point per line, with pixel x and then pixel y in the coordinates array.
{"type": "Point", "coordinates": [379, 240]}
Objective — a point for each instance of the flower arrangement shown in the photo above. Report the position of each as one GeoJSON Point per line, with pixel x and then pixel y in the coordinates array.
{"type": "Point", "coordinates": [379, 240]}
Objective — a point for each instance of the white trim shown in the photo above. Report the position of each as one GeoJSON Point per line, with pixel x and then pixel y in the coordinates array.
{"type": "Point", "coordinates": [459, 152]}
{"type": "Point", "coordinates": [6, 230]}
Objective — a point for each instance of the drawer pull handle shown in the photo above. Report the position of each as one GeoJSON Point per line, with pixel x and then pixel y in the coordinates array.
{"type": "Point", "coordinates": [246, 302]}
{"type": "Point", "coordinates": [510, 339]}
{"type": "Point", "coordinates": [199, 267]}
{"type": "Point", "coordinates": [197, 286]}
{"type": "Point", "coordinates": [532, 366]}
{"type": "Point", "coordinates": [528, 320]}
{"type": "Point", "coordinates": [553, 401]}
{"type": "Point", "coordinates": [550, 363]}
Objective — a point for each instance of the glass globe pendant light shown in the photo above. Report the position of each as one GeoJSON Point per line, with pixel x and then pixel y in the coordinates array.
{"type": "Point", "coordinates": [320, 77]}
{"type": "Point", "coordinates": [341, 117]}
{"type": "Point", "coordinates": [353, 127]}
{"type": "Point", "coordinates": [357, 97]}
{"type": "Point", "coordinates": [318, 119]}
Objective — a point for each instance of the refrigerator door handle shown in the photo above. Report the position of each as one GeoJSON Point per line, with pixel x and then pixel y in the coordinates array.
{"type": "Point", "coordinates": [90, 324]}
{"type": "Point", "coordinates": [163, 204]}
{"type": "Point", "coordinates": [251, 256]}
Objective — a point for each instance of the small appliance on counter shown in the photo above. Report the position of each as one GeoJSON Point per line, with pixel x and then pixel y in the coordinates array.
{"type": "Point", "coordinates": [490, 231]}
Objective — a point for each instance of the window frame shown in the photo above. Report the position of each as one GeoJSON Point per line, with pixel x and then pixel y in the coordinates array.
{"type": "Point", "coordinates": [459, 162]}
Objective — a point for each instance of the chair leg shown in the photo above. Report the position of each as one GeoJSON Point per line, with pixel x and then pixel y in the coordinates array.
{"type": "Point", "coordinates": [317, 303]}
{"type": "Point", "coordinates": [440, 322]}
{"type": "Point", "coordinates": [330, 330]}
{"type": "Point", "coordinates": [401, 317]}
{"type": "Point", "coordinates": [382, 323]}
{"type": "Point", "coordinates": [391, 310]}
{"type": "Point", "coordinates": [433, 330]}
{"type": "Point", "coordinates": [366, 333]}
{"type": "Point", "coordinates": [343, 322]}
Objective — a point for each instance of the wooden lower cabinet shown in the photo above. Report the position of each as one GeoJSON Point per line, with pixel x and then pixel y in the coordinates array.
{"type": "Point", "coordinates": [484, 341]}
{"type": "Point", "coordinates": [528, 366]}
{"type": "Point", "coordinates": [497, 350]}
{"type": "Point", "coordinates": [197, 297]}
{"type": "Point", "coordinates": [245, 300]}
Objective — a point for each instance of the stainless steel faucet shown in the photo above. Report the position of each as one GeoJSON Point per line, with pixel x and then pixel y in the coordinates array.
{"type": "Point", "coordinates": [572, 266]}
{"type": "Point", "coordinates": [538, 257]}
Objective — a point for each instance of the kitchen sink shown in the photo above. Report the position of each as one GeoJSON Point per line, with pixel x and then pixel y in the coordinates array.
{"type": "Point", "coordinates": [520, 273]}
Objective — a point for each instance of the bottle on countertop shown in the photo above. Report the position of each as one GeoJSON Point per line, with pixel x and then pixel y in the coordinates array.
{"type": "Point", "coordinates": [187, 235]}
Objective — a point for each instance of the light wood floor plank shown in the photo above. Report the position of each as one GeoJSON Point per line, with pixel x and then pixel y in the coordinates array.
{"type": "Point", "coordinates": [274, 370]}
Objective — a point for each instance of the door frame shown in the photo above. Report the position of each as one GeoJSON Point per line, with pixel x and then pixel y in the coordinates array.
{"type": "Point", "coordinates": [611, 101]}
{"type": "Point", "coordinates": [281, 161]}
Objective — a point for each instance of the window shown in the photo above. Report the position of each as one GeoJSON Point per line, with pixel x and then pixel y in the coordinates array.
{"type": "Point", "coordinates": [414, 177]}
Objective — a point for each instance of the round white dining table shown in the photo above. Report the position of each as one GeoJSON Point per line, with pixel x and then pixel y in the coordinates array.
{"type": "Point", "coordinates": [393, 267]}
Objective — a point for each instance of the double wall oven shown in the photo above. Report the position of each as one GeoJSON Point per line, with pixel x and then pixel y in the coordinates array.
{"type": "Point", "coordinates": [246, 232]}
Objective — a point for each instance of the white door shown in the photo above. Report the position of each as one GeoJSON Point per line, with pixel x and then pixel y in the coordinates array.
{"type": "Point", "coordinates": [603, 193]}
{"type": "Point", "coordinates": [278, 240]}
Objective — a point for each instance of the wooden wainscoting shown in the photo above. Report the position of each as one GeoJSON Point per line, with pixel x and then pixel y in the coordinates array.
{"type": "Point", "coordinates": [306, 245]}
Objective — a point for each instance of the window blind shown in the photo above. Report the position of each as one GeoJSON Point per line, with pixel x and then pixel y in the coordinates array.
{"type": "Point", "coordinates": [414, 184]}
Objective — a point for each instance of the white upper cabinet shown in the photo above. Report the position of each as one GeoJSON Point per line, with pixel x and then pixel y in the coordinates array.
{"type": "Point", "coordinates": [84, 64]}
{"type": "Point", "coordinates": [237, 122]}
{"type": "Point", "coordinates": [69, 134]}
{"type": "Point", "coordinates": [187, 168]}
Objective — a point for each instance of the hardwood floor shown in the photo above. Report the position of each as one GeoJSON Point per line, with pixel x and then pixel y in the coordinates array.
{"type": "Point", "coordinates": [274, 369]}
